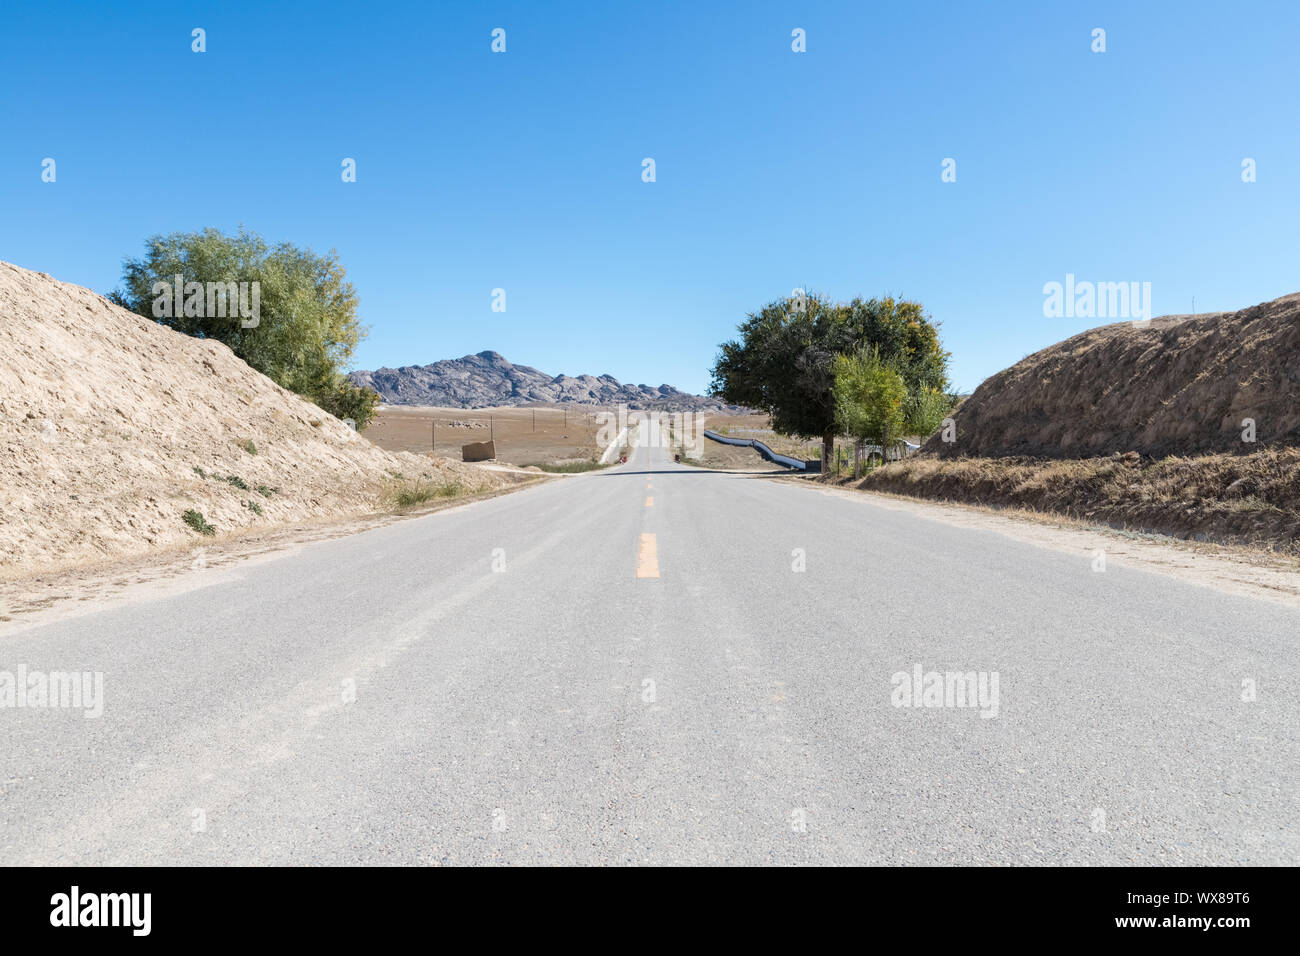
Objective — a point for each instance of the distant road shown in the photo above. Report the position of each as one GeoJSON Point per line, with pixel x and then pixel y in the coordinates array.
{"type": "Point", "coordinates": [649, 679]}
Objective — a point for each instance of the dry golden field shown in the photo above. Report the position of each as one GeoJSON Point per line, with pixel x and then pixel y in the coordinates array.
{"type": "Point", "coordinates": [523, 436]}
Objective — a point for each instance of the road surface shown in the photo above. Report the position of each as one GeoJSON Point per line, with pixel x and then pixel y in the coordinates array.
{"type": "Point", "coordinates": [654, 664]}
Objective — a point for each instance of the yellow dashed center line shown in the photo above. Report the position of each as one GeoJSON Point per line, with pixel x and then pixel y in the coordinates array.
{"type": "Point", "coordinates": [647, 559]}
{"type": "Point", "coordinates": [649, 502]}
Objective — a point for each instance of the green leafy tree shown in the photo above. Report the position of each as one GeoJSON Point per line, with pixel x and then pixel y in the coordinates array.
{"type": "Point", "coordinates": [925, 409]}
{"type": "Point", "coordinates": [783, 362]}
{"type": "Point", "coordinates": [870, 396]}
{"type": "Point", "coordinates": [902, 334]}
{"type": "Point", "coordinates": [874, 404]}
{"type": "Point", "coordinates": [306, 328]}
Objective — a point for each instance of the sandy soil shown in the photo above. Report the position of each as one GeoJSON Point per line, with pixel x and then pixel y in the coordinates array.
{"type": "Point", "coordinates": [115, 427]}
{"type": "Point", "coordinates": [43, 598]}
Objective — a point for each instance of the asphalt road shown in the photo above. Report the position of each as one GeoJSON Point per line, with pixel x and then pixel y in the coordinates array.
{"type": "Point", "coordinates": [510, 682]}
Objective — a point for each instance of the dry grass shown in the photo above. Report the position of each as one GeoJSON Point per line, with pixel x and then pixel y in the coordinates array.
{"type": "Point", "coordinates": [553, 436]}
{"type": "Point", "coordinates": [1251, 500]}
{"type": "Point", "coordinates": [1181, 385]}
{"type": "Point", "coordinates": [410, 494]}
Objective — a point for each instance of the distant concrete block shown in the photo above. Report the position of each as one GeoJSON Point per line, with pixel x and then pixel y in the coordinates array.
{"type": "Point", "coordinates": [479, 451]}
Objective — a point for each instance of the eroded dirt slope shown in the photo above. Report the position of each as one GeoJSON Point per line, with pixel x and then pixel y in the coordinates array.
{"type": "Point", "coordinates": [114, 427]}
{"type": "Point", "coordinates": [1179, 385]}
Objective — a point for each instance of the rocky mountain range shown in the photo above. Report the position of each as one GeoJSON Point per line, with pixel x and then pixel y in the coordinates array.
{"type": "Point", "coordinates": [488, 378]}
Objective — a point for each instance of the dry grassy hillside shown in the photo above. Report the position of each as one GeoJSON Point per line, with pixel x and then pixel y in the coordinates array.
{"type": "Point", "coordinates": [115, 427]}
{"type": "Point", "coordinates": [1179, 385]}
{"type": "Point", "coordinates": [1137, 427]}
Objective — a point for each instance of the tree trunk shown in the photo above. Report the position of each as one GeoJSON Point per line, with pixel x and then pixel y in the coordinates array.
{"type": "Point", "coordinates": [857, 460]}
{"type": "Point", "coordinates": [828, 449]}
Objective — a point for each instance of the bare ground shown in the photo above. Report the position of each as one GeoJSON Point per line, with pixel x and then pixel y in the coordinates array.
{"type": "Point", "coordinates": [115, 428]}
{"type": "Point", "coordinates": [523, 436]}
{"type": "Point", "coordinates": [70, 591]}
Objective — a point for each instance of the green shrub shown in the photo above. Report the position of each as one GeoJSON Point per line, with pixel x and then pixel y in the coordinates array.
{"type": "Point", "coordinates": [307, 326]}
{"type": "Point", "coordinates": [410, 495]}
{"type": "Point", "coordinates": [197, 522]}
{"type": "Point", "coordinates": [568, 468]}
{"type": "Point", "coordinates": [345, 400]}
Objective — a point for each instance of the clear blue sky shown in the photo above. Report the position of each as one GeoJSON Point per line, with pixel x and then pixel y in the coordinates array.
{"type": "Point", "coordinates": [775, 169]}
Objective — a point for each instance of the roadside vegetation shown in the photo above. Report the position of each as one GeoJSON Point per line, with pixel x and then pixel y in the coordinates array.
{"type": "Point", "coordinates": [1251, 500]}
{"type": "Point", "coordinates": [266, 491]}
{"type": "Point", "coordinates": [306, 327]}
{"type": "Point", "coordinates": [198, 523]}
{"type": "Point", "coordinates": [566, 468]}
{"type": "Point", "coordinates": [413, 494]}
{"type": "Point", "coordinates": [873, 369]}
{"type": "Point", "coordinates": [873, 403]}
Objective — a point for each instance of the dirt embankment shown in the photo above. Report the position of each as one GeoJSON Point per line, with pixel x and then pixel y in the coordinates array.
{"type": "Point", "coordinates": [115, 427]}
{"type": "Point", "coordinates": [1145, 427]}
{"type": "Point", "coordinates": [1251, 500]}
{"type": "Point", "coordinates": [1179, 385]}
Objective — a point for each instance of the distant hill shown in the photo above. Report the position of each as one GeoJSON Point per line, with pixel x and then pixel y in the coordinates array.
{"type": "Point", "coordinates": [488, 378]}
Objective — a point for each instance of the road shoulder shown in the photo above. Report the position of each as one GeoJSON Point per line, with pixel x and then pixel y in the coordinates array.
{"type": "Point", "coordinates": [43, 598]}
{"type": "Point", "coordinates": [1230, 569]}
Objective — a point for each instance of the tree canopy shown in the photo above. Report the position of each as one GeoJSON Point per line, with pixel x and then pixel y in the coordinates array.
{"type": "Point", "coordinates": [783, 362]}
{"type": "Point", "coordinates": [306, 329]}
{"type": "Point", "coordinates": [874, 404]}
{"type": "Point", "coordinates": [869, 398]}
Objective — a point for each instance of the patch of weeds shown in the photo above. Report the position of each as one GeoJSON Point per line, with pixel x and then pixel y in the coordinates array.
{"type": "Point", "coordinates": [197, 522]}
{"type": "Point", "coordinates": [237, 482]}
{"type": "Point", "coordinates": [249, 447]}
{"type": "Point", "coordinates": [1252, 503]}
{"type": "Point", "coordinates": [418, 494]}
{"type": "Point", "coordinates": [266, 492]}
{"type": "Point", "coordinates": [254, 507]}
{"type": "Point", "coordinates": [200, 472]}
{"type": "Point", "coordinates": [568, 468]}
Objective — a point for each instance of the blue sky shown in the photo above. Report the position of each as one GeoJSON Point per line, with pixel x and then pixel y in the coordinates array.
{"type": "Point", "coordinates": [774, 169]}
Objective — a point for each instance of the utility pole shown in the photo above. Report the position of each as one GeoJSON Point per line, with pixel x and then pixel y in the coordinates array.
{"type": "Point", "coordinates": [534, 419]}
{"type": "Point", "coordinates": [433, 426]}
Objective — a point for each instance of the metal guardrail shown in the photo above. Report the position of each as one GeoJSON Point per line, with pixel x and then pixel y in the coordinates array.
{"type": "Point", "coordinates": [783, 459]}
{"type": "Point", "coordinates": [761, 448]}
